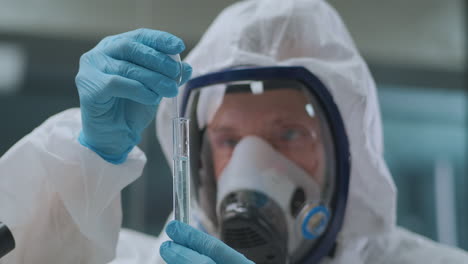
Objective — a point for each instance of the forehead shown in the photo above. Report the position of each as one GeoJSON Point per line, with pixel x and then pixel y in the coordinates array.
{"type": "Point", "coordinates": [272, 101]}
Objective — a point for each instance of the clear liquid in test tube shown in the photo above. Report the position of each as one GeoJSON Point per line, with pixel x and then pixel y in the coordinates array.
{"type": "Point", "coordinates": [181, 159]}
{"type": "Point", "coordinates": [181, 169]}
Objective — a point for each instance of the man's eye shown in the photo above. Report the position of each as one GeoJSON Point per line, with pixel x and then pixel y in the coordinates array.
{"type": "Point", "coordinates": [290, 134]}
{"type": "Point", "coordinates": [231, 142]}
{"type": "Point", "coordinates": [226, 141]}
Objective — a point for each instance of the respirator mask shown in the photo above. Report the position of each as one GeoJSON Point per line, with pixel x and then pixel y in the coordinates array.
{"type": "Point", "coordinates": [271, 174]}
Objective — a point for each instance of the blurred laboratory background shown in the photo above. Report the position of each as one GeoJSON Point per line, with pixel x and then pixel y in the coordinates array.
{"type": "Point", "coordinates": [416, 50]}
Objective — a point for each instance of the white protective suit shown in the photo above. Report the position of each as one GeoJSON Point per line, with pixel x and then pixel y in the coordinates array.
{"type": "Point", "coordinates": [62, 201]}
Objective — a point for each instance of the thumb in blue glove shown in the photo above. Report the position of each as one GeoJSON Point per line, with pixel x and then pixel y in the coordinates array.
{"type": "Point", "coordinates": [191, 245]}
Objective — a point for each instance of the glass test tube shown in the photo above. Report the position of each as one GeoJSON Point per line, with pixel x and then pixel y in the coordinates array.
{"type": "Point", "coordinates": [181, 169]}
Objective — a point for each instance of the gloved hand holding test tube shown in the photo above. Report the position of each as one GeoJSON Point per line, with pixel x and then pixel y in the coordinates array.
{"type": "Point", "coordinates": [181, 161]}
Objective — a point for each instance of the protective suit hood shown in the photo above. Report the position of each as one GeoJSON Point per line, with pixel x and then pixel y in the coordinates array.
{"type": "Point", "coordinates": [309, 33]}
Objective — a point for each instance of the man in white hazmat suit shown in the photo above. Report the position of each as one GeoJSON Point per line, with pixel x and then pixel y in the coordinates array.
{"type": "Point", "coordinates": [279, 101]}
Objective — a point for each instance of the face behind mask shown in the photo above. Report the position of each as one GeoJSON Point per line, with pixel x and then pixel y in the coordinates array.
{"type": "Point", "coordinates": [269, 180]}
{"type": "Point", "coordinates": [268, 206]}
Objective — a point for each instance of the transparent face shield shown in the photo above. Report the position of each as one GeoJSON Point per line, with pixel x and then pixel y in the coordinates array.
{"type": "Point", "coordinates": [263, 166]}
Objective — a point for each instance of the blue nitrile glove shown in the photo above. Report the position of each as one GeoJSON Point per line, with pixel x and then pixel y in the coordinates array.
{"type": "Point", "coordinates": [194, 246]}
{"type": "Point", "coordinates": [120, 83]}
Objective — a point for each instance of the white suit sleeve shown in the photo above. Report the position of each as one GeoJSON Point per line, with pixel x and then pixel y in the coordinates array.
{"type": "Point", "coordinates": [138, 248]}
{"type": "Point", "coordinates": [61, 200]}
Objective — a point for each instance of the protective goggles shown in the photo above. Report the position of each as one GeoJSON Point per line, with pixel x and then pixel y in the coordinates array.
{"type": "Point", "coordinates": [270, 161]}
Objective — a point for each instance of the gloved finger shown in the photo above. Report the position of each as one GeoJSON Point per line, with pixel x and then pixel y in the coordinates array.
{"type": "Point", "coordinates": [121, 87]}
{"type": "Point", "coordinates": [95, 86]}
{"type": "Point", "coordinates": [154, 81]}
{"type": "Point", "coordinates": [186, 72]}
{"type": "Point", "coordinates": [174, 253]}
{"type": "Point", "coordinates": [203, 243]}
{"type": "Point", "coordinates": [113, 86]}
{"type": "Point", "coordinates": [158, 40]}
{"type": "Point", "coordinates": [142, 55]}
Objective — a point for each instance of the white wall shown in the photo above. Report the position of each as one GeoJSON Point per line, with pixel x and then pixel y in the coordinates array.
{"type": "Point", "coordinates": [91, 18]}
{"type": "Point", "coordinates": [425, 33]}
